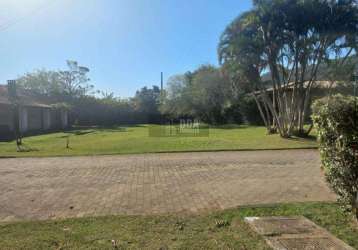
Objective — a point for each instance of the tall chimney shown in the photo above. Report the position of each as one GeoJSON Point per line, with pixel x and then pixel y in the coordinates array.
{"type": "Point", "coordinates": [11, 88]}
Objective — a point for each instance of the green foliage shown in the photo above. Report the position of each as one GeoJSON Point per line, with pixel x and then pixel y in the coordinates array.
{"type": "Point", "coordinates": [70, 89]}
{"type": "Point", "coordinates": [43, 83]}
{"type": "Point", "coordinates": [250, 111]}
{"type": "Point", "coordinates": [108, 111]}
{"type": "Point", "coordinates": [233, 114]}
{"type": "Point", "coordinates": [146, 103]}
{"type": "Point", "coordinates": [290, 40]}
{"type": "Point", "coordinates": [336, 121]}
{"type": "Point", "coordinates": [75, 80]}
{"type": "Point", "coordinates": [57, 86]}
{"type": "Point", "coordinates": [178, 101]}
{"type": "Point", "coordinates": [205, 94]}
{"type": "Point", "coordinates": [208, 92]}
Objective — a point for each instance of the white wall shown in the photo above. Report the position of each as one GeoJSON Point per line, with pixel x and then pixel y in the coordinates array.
{"type": "Point", "coordinates": [64, 118]}
{"type": "Point", "coordinates": [6, 116]}
{"type": "Point", "coordinates": [46, 119]}
{"type": "Point", "coordinates": [23, 117]}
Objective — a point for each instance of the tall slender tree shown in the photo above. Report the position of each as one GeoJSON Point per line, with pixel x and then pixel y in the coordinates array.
{"type": "Point", "coordinates": [75, 80]}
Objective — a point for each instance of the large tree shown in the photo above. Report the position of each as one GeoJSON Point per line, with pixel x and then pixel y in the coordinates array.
{"type": "Point", "coordinates": [203, 93]}
{"type": "Point", "coordinates": [291, 40]}
{"type": "Point", "coordinates": [210, 94]}
{"type": "Point", "coordinates": [58, 86]}
{"type": "Point", "coordinates": [146, 103]}
{"type": "Point", "coordinates": [43, 83]}
{"type": "Point", "coordinates": [177, 101]}
{"type": "Point", "coordinates": [75, 80]}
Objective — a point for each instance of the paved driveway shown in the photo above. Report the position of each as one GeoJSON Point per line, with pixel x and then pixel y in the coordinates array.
{"type": "Point", "coordinates": [41, 188]}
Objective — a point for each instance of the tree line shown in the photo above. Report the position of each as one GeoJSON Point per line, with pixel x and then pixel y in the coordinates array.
{"type": "Point", "coordinates": [204, 94]}
{"type": "Point", "coordinates": [87, 106]}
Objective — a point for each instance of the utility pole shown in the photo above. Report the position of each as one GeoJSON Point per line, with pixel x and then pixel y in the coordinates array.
{"type": "Point", "coordinates": [162, 120]}
{"type": "Point", "coordinates": [161, 88]}
{"type": "Point", "coordinates": [161, 81]}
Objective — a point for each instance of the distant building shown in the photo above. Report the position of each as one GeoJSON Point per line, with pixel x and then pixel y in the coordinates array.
{"type": "Point", "coordinates": [35, 116]}
{"type": "Point", "coordinates": [319, 89]}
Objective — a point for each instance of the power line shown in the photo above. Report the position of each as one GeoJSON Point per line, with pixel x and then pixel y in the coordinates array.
{"type": "Point", "coordinates": [35, 11]}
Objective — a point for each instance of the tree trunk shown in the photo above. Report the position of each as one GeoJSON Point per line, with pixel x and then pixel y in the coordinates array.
{"type": "Point", "coordinates": [274, 106]}
{"type": "Point", "coordinates": [355, 208]}
{"type": "Point", "coordinates": [275, 115]}
{"type": "Point", "coordinates": [262, 113]}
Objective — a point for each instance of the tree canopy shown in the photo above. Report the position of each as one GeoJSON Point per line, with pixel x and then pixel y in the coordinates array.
{"type": "Point", "coordinates": [59, 86]}
{"type": "Point", "coordinates": [204, 94]}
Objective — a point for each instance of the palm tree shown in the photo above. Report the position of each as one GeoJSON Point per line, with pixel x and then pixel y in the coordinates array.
{"type": "Point", "coordinates": [290, 40]}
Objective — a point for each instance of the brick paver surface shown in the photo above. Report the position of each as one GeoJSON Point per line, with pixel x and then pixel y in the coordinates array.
{"type": "Point", "coordinates": [42, 188]}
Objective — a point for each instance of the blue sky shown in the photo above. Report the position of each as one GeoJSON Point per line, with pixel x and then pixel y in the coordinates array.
{"type": "Point", "coordinates": [125, 43]}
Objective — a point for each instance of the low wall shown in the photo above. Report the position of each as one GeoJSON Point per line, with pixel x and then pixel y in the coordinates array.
{"type": "Point", "coordinates": [6, 122]}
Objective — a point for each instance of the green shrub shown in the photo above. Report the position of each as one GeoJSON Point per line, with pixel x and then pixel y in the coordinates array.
{"type": "Point", "coordinates": [250, 111]}
{"type": "Point", "coordinates": [336, 121]}
{"type": "Point", "coordinates": [232, 114]}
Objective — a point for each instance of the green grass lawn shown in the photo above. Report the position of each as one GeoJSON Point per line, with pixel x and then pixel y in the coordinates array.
{"type": "Point", "coordinates": [169, 232]}
{"type": "Point", "coordinates": [136, 139]}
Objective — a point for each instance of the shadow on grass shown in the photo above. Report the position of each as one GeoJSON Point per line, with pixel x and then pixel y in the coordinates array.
{"type": "Point", "coordinates": [312, 138]}
{"type": "Point", "coordinates": [231, 126]}
{"type": "Point", "coordinates": [78, 131]}
{"type": "Point", "coordinates": [119, 126]}
{"type": "Point", "coordinates": [25, 149]}
{"type": "Point", "coordinates": [112, 130]}
{"type": "Point", "coordinates": [6, 139]}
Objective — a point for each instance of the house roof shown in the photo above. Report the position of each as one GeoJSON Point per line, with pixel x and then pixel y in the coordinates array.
{"type": "Point", "coordinates": [25, 98]}
{"type": "Point", "coordinates": [316, 85]}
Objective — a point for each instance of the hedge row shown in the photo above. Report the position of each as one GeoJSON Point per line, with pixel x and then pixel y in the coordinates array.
{"type": "Point", "coordinates": [336, 121]}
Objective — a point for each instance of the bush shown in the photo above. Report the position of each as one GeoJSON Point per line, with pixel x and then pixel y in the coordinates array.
{"type": "Point", "coordinates": [233, 114]}
{"type": "Point", "coordinates": [250, 111]}
{"type": "Point", "coordinates": [336, 121]}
